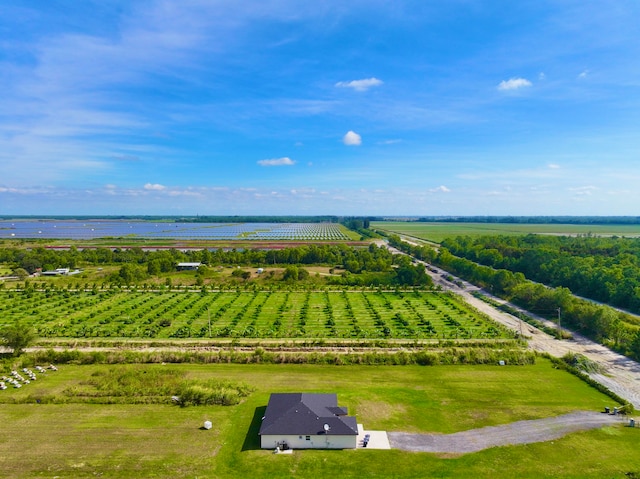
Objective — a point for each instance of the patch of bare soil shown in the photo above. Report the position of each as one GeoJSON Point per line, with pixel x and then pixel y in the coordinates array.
{"type": "Point", "coordinates": [521, 432]}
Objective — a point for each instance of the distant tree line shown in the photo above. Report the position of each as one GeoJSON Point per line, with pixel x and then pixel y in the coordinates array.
{"type": "Point", "coordinates": [575, 220]}
{"type": "Point", "coordinates": [371, 265]}
{"type": "Point", "coordinates": [598, 322]}
{"type": "Point", "coordinates": [191, 219]}
{"type": "Point", "coordinates": [257, 219]}
{"type": "Point", "coordinates": [361, 226]}
{"type": "Point", "coordinates": [602, 269]}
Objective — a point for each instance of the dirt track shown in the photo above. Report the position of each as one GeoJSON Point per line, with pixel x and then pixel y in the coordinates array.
{"type": "Point", "coordinates": [622, 375]}
{"type": "Point", "coordinates": [521, 432]}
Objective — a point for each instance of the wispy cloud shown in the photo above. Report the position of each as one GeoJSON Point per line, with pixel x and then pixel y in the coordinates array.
{"type": "Point", "coordinates": [360, 85]}
{"type": "Point", "coordinates": [154, 187]}
{"type": "Point", "coordinates": [284, 161]}
{"type": "Point", "coordinates": [514, 84]}
{"type": "Point", "coordinates": [97, 101]}
{"type": "Point", "coordinates": [584, 190]}
{"type": "Point", "coordinates": [352, 139]}
{"type": "Point", "coordinates": [126, 157]}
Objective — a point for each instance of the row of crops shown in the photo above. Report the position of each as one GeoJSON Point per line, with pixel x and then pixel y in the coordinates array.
{"type": "Point", "coordinates": [260, 314]}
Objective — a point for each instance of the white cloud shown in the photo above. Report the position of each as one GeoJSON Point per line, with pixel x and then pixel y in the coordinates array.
{"type": "Point", "coordinates": [440, 189]}
{"type": "Point", "coordinates": [514, 84]}
{"type": "Point", "coordinates": [583, 74]}
{"type": "Point", "coordinates": [154, 187]}
{"type": "Point", "coordinates": [583, 190]}
{"type": "Point", "coordinates": [284, 161]}
{"type": "Point", "coordinates": [352, 139]}
{"type": "Point", "coordinates": [22, 191]}
{"type": "Point", "coordinates": [553, 166]}
{"type": "Point", "coordinates": [186, 192]}
{"type": "Point", "coordinates": [542, 76]}
{"type": "Point", "coordinates": [360, 85]}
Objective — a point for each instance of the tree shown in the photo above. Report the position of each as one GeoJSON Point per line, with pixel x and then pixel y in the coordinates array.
{"type": "Point", "coordinates": [130, 273]}
{"type": "Point", "coordinates": [17, 337]}
{"type": "Point", "coordinates": [290, 273]}
{"type": "Point", "coordinates": [241, 273]}
{"type": "Point", "coordinates": [634, 347]}
{"type": "Point", "coordinates": [21, 273]}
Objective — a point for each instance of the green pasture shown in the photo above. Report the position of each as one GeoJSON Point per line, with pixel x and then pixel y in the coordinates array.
{"type": "Point", "coordinates": [312, 314]}
{"type": "Point", "coordinates": [437, 232]}
{"type": "Point", "coordinates": [84, 440]}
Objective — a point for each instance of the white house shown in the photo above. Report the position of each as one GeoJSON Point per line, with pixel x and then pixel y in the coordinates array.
{"type": "Point", "coordinates": [57, 272]}
{"type": "Point", "coordinates": [307, 421]}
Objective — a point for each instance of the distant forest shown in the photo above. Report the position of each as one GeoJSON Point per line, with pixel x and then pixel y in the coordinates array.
{"type": "Point", "coordinates": [577, 220]}
{"type": "Point", "coordinates": [187, 219]}
{"type": "Point", "coordinates": [564, 220]}
{"type": "Point", "coordinates": [603, 269]}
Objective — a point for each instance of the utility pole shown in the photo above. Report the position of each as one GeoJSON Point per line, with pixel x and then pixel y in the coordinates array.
{"type": "Point", "coordinates": [521, 328]}
{"type": "Point", "coordinates": [209, 318]}
{"type": "Point", "coordinates": [559, 327]}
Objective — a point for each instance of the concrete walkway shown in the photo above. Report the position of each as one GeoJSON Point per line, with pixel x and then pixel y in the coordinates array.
{"type": "Point", "coordinates": [377, 439]}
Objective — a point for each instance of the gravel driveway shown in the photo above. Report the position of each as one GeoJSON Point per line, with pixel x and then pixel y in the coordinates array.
{"type": "Point", "coordinates": [521, 432]}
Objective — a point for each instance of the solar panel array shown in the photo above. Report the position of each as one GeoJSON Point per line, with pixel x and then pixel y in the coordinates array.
{"type": "Point", "coordinates": [145, 229]}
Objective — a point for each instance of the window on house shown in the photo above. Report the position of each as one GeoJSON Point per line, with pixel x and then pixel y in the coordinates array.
{"type": "Point", "coordinates": [308, 438]}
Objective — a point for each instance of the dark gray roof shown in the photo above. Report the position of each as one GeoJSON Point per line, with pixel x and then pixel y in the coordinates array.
{"type": "Point", "coordinates": [306, 414]}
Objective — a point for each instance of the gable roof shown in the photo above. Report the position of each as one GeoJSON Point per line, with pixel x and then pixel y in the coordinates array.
{"type": "Point", "coordinates": [306, 414]}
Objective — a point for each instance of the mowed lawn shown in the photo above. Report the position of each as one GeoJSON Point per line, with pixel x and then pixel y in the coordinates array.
{"type": "Point", "coordinates": [125, 441]}
{"type": "Point", "coordinates": [439, 231]}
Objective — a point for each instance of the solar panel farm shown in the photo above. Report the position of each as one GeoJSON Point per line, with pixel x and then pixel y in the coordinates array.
{"type": "Point", "coordinates": [85, 230]}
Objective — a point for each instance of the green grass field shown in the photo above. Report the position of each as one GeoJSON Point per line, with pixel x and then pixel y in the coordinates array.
{"type": "Point", "coordinates": [79, 440]}
{"type": "Point", "coordinates": [437, 232]}
{"type": "Point", "coordinates": [257, 314]}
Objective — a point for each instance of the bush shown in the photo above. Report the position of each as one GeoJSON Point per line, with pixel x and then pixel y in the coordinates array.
{"type": "Point", "coordinates": [17, 337]}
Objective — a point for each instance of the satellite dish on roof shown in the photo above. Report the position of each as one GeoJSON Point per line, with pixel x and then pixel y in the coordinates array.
{"type": "Point", "coordinates": [326, 428]}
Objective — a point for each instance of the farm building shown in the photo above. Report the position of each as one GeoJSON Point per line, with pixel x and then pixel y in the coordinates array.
{"type": "Point", "coordinates": [307, 421]}
{"type": "Point", "coordinates": [188, 266]}
{"type": "Point", "coordinates": [56, 272]}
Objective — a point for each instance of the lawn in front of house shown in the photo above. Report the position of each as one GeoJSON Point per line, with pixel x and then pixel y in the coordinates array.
{"type": "Point", "coordinates": [80, 439]}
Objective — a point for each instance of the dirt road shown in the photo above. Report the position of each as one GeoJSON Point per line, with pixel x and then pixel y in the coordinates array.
{"type": "Point", "coordinates": [621, 374]}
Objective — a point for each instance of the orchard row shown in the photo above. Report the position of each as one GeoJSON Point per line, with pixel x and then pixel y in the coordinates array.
{"type": "Point", "coordinates": [259, 314]}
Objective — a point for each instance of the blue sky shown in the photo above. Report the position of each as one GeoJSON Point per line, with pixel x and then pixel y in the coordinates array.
{"type": "Point", "coordinates": [229, 107]}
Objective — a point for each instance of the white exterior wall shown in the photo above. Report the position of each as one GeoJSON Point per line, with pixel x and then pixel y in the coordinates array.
{"type": "Point", "coordinates": [318, 441]}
